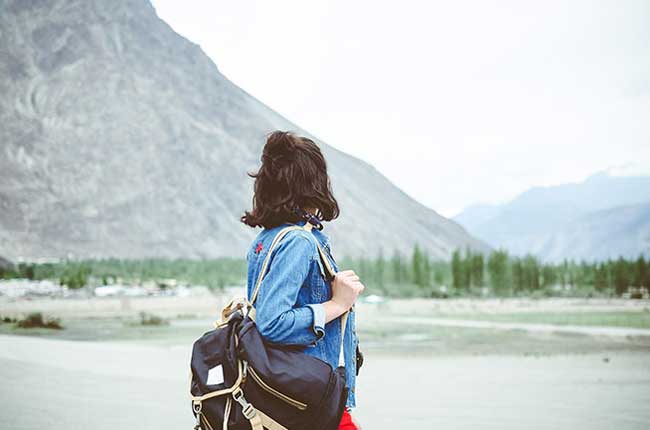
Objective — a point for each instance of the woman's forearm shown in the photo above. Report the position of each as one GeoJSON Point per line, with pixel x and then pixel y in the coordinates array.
{"type": "Point", "coordinates": [333, 310]}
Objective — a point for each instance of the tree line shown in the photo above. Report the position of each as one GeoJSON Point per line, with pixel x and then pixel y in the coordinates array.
{"type": "Point", "coordinates": [414, 275]}
{"type": "Point", "coordinates": [499, 274]}
{"type": "Point", "coordinates": [213, 273]}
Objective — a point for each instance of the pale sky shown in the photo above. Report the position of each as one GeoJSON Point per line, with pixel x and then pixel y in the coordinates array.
{"type": "Point", "coordinates": [456, 102]}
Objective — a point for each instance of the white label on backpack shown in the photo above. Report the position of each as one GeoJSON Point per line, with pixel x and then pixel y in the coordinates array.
{"type": "Point", "coordinates": [215, 375]}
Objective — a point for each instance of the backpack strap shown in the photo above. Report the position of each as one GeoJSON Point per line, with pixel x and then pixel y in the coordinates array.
{"type": "Point", "coordinates": [258, 419]}
{"type": "Point", "coordinates": [278, 237]}
{"type": "Point", "coordinates": [330, 273]}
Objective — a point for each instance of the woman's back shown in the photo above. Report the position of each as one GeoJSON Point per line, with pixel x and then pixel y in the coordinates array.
{"type": "Point", "coordinates": [287, 310]}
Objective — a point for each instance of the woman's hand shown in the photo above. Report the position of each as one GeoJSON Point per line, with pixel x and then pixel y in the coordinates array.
{"type": "Point", "coordinates": [346, 288]}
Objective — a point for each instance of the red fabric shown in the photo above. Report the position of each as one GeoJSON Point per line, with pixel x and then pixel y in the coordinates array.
{"type": "Point", "coordinates": [347, 423]}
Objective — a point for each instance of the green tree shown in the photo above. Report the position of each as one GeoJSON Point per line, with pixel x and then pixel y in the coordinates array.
{"type": "Point", "coordinates": [26, 270]}
{"type": "Point", "coordinates": [397, 269]}
{"type": "Point", "coordinates": [621, 276]}
{"type": "Point", "coordinates": [640, 272]}
{"type": "Point", "coordinates": [518, 283]}
{"type": "Point", "coordinates": [478, 270]}
{"type": "Point", "coordinates": [530, 270]}
{"type": "Point", "coordinates": [75, 275]}
{"type": "Point", "coordinates": [456, 270]}
{"type": "Point", "coordinates": [549, 276]}
{"type": "Point", "coordinates": [600, 278]}
{"type": "Point", "coordinates": [498, 271]}
{"type": "Point", "coordinates": [646, 277]}
{"type": "Point", "coordinates": [417, 267]}
{"type": "Point", "coordinates": [438, 276]}
{"type": "Point", "coordinates": [586, 274]}
{"type": "Point", "coordinates": [466, 269]}
{"type": "Point", "coordinates": [564, 270]}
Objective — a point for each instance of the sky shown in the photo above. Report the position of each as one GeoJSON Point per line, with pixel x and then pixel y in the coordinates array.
{"type": "Point", "coordinates": [456, 102]}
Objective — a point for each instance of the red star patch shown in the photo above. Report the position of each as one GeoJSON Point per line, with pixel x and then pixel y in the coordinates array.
{"type": "Point", "coordinates": [259, 248]}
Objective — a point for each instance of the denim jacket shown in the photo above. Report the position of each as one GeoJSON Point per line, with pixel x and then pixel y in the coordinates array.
{"type": "Point", "coordinates": [289, 308]}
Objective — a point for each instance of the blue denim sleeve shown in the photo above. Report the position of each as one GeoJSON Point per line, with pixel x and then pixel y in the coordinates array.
{"type": "Point", "coordinates": [319, 319]}
{"type": "Point", "coordinates": [276, 317]}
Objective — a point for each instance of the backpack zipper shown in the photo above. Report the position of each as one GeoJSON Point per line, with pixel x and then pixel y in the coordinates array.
{"type": "Point", "coordinates": [293, 402]}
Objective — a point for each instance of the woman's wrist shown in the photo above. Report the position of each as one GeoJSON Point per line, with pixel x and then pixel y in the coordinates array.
{"type": "Point", "coordinates": [333, 310]}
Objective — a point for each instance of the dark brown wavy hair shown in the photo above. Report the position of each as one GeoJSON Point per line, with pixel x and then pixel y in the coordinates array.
{"type": "Point", "coordinates": [293, 174]}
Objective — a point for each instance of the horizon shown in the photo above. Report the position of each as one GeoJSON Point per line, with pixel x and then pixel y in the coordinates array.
{"type": "Point", "coordinates": [584, 74]}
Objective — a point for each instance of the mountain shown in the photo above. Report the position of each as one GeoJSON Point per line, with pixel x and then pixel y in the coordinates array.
{"type": "Point", "coordinates": [539, 220]}
{"type": "Point", "coordinates": [473, 216]}
{"type": "Point", "coordinates": [623, 231]}
{"type": "Point", "coordinates": [121, 138]}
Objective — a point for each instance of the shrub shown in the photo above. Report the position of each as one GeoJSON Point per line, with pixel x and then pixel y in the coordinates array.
{"type": "Point", "coordinates": [150, 319]}
{"type": "Point", "coordinates": [37, 320]}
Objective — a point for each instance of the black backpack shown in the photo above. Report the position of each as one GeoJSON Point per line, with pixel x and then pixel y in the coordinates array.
{"type": "Point", "coordinates": [238, 382]}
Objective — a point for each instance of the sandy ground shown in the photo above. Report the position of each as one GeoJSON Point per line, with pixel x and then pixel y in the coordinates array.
{"type": "Point", "coordinates": [211, 304]}
{"type": "Point", "coordinates": [421, 371]}
{"type": "Point", "coordinates": [539, 328]}
{"type": "Point", "coordinates": [61, 384]}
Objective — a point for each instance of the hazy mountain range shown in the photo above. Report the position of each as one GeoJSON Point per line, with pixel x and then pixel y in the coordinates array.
{"type": "Point", "coordinates": [121, 138]}
{"type": "Point", "coordinates": [603, 217]}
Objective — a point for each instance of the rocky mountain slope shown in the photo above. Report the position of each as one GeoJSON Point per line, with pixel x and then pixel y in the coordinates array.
{"type": "Point", "coordinates": [599, 218]}
{"type": "Point", "coordinates": [121, 138]}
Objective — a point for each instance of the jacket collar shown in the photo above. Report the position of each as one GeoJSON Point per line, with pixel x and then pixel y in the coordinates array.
{"type": "Point", "coordinates": [322, 238]}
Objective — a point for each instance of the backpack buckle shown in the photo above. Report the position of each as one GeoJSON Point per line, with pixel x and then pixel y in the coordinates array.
{"type": "Point", "coordinates": [247, 409]}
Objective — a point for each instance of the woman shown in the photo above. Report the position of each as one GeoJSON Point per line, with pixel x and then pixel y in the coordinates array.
{"type": "Point", "coordinates": [296, 305]}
